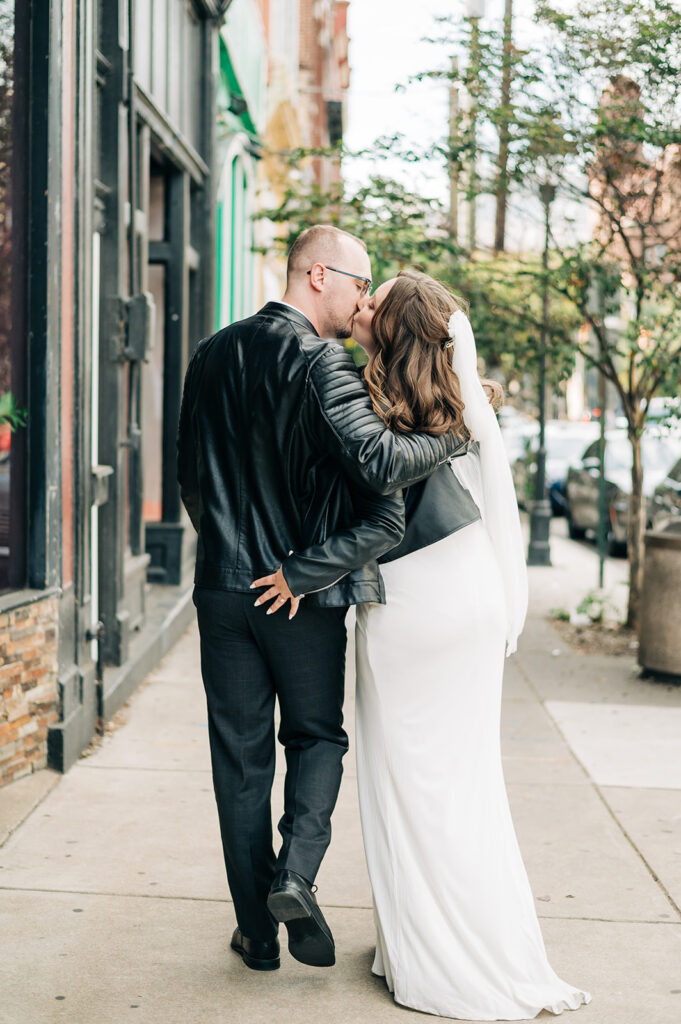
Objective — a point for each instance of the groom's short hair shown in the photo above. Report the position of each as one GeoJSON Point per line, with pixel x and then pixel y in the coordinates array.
{"type": "Point", "coordinates": [319, 244]}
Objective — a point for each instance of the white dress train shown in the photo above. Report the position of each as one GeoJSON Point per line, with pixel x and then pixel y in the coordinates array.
{"type": "Point", "coordinates": [457, 930]}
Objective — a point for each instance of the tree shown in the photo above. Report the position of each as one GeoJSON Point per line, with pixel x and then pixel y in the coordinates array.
{"type": "Point", "coordinates": [504, 133]}
{"type": "Point", "coordinates": [598, 109]}
{"type": "Point", "coordinates": [400, 227]}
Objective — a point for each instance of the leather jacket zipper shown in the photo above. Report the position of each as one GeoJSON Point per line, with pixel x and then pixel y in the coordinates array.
{"type": "Point", "coordinates": [325, 526]}
{"type": "Point", "coordinates": [319, 589]}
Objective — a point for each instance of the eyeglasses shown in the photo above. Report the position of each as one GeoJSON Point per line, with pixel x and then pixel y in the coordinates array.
{"type": "Point", "coordinates": [367, 282]}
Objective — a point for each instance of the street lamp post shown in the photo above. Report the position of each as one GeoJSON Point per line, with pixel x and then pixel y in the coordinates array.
{"type": "Point", "coordinates": [602, 533]}
{"type": "Point", "coordinates": [539, 552]}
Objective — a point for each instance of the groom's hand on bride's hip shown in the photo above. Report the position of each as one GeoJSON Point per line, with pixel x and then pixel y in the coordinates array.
{"type": "Point", "coordinates": [279, 593]}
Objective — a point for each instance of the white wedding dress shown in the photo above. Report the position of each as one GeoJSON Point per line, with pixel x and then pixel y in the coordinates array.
{"type": "Point", "coordinates": [457, 931]}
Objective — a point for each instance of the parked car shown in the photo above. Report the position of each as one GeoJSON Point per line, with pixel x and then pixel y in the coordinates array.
{"type": "Point", "coordinates": [516, 428]}
{"type": "Point", "coordinates": [565, 442]}
{"type": "Point", "coordinates": [659, 453]}
{"type": "Point", "coordinates": [661, 410]}
{"type": "Point", "coordinates": [667, 499]}
{"type": "Point", "coordinates": [664, 410]}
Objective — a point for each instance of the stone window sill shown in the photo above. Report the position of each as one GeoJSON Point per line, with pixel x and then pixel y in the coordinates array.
{"type": "Point", "coordinates": [13, 599]}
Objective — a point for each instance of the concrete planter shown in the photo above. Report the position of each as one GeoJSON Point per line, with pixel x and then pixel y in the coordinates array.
{"type": "Point", "coordinates": [660, 629]}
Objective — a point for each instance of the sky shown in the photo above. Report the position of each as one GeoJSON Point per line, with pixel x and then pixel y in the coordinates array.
{"type": "Point", "coordinates": [386, 48]}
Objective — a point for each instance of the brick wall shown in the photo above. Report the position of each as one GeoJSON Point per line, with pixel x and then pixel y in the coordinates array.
{"type": "Point", "coordinates": [324, 76]}
{"type": "Point", "coordinates": [309, 32]}
{"type": "Point", "coordinates": [28, 686]}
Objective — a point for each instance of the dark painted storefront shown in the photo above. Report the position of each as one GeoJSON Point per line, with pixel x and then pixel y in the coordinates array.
{"type": "Point", "coordinates": [106, 214]}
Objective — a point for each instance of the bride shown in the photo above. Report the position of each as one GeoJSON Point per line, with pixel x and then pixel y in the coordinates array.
{"type": "Point", "coordinates": [457, 931]}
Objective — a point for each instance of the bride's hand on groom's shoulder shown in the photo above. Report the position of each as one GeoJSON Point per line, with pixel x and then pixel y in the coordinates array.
{"type": "Point", "coordinates": [279, 593]}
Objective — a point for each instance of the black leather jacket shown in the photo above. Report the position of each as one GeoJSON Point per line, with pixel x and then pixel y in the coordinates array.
{"type": "Point", "coordinates": [282, 461]}
{"type": "Point", "coordinates": [434, 509]}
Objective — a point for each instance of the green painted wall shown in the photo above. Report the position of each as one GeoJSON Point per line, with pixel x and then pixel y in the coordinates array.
{"type": "Point", "coordinates": [241, 108]}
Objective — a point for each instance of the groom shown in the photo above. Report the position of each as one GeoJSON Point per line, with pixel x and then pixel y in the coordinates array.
{"type": "Point", "coordinates": [278, 449]}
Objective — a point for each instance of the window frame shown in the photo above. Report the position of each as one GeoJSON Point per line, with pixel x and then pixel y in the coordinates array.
{"type": "Point", "coordinates": [13, 569]}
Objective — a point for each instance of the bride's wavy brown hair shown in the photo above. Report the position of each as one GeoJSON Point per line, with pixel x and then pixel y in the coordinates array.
{"type": "Point", "coordinates": [409, 375]}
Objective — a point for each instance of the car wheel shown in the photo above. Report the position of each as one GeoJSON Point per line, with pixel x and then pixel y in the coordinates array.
{"type": "Point", "coordinates": [574, 532]}
{"type": "Point", "coordinates": [616, 548]}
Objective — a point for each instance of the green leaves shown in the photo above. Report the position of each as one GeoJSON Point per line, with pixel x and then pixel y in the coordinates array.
{"type": "Point", "coordinates": [400, 227]}
{"type": "Point", "coordinates": [506, 313]}
{"type": "Point", "coordinates": [597, 107]}
{"type": "Point", "coordinates": [11, 413]}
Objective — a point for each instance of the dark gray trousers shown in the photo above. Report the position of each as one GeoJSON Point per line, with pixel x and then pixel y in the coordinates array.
{"type": "Point", "coordinates": [247, 659]}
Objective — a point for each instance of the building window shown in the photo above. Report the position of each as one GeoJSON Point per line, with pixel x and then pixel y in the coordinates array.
{"type": "Point", "coordinates": [13, 177]}
{"type": "Point", "coordinates": [153, 370]}
{"type": "Point", "coordinates": [168, 61]}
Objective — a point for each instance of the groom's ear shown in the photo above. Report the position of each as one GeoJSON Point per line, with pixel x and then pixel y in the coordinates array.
{"type": "Point", "coordinates": [316, 275]}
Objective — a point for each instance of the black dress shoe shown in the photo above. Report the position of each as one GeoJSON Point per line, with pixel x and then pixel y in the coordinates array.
{"type": "Point", "coordinates": [292, 901]}
{"type": "Point", "coordinates": [258, 955]}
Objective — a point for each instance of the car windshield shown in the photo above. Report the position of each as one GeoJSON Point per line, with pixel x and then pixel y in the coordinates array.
{"type": "Point", "coordinates": [658, 454]}
{"type": "Point", "coordinates": [564, 446]}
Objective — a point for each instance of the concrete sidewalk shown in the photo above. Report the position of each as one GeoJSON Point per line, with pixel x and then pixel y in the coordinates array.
{"type": "Point", "coordinates": [113, 902]}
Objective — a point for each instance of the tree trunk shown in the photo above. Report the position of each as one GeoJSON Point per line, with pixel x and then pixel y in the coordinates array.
{"type": "Point", "coordinates": [474, 91]}
{"type": "Point", "coordinates": [504, 132]}
{"type": "Point", "coordinates": [453, 163]}
{"type": "Point", "coordinates": [637, 525]}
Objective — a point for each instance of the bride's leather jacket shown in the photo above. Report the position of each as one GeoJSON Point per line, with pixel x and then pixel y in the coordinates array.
{"type": "Point", "coordinates": [282, 461]}
{"type": "Point", "coordinates": [434, 508]}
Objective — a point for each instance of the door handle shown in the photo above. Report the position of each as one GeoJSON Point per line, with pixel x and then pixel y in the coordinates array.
{"type": "Point", "coordinates": [95, 632]}
{"type": "Point", "coordinates": [100, 484]}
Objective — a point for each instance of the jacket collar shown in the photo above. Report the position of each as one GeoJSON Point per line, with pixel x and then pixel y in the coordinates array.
{"type": "Point", "coordinates": [294, 315]}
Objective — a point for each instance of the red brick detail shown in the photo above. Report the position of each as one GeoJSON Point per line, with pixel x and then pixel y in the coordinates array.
{"type": "Point", "coordinates": [28, 687]}
{"type": "Point", "coordinates": [324, 76]}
